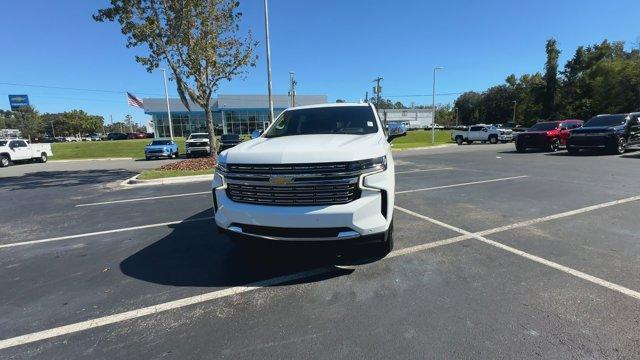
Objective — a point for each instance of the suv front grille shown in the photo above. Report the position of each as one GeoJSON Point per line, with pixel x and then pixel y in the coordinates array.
{"type": "Point", "coordinates": [320, 168]}
{"type": "Point", "coordinates": [304, 184]}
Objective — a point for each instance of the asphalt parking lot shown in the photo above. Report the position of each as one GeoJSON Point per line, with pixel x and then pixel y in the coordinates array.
{"type": "Point", "coordinates": [498, 255]}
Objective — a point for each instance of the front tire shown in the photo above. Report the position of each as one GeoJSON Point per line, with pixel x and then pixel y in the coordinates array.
{"type": "Point", "coordinates": [459, 140]}
{"type": "Point", "coordinates": [554, 145]}
{"type": "Point", "coordinates": [621, 147]}
{"type": "Point", "coordinates": [520, 148]}
{"type": "Point", "coordinates": [493, 140]}
{"type": "Point", "coordinates": [4, 161]}
{"type": "Point", "coordinates": [43, 158]}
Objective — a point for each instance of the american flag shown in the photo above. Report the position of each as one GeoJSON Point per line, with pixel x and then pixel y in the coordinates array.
{"type": "Point", "coordinates": [133, 100]}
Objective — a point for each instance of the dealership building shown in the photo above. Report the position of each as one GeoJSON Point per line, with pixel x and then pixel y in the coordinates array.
{"type": "Point", "coordinates": [411, 118]}
{"type": "Point", "coordinates": [232, 114]}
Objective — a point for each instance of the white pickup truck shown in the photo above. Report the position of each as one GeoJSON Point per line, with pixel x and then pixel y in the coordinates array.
{"type": "Point", "coordinates": [483, 133]}
{"type": "Point", "coordinates": [12, 150]}
{"type": "Point", "coordinates": [318, 173]}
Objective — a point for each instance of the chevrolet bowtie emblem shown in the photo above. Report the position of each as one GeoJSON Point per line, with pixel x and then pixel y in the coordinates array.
{"type": "Point", "coordinates": [280, 180]}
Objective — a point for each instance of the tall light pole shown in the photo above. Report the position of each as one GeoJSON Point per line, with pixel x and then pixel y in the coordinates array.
{"type": "Point", "coordinates": [515, 104]}
{"type": "Point", "coordinates": [433, 106]}
{"type": "Point", "coordinates": [166, 96]}
{"type": "Point", "coordinates": [268, 44]}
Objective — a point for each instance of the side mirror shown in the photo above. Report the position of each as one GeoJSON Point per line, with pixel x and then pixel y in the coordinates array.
{"type": "Point", "coordinates": [256, 134]}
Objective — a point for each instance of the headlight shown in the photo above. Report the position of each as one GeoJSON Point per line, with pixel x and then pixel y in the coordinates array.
{"type": "Point", "coordinates": [369, 165]}
{"type": "Point", "coordinates": [218, 181]}
{"type": "Point", "coordinates": [221, 167]}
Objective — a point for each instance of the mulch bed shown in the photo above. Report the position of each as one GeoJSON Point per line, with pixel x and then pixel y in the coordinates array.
{"type": "Point", "coordinates": [203, 163]}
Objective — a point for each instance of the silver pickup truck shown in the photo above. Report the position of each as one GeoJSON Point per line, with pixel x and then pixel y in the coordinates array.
{"type": "Point", "coordinates": [12, 150]}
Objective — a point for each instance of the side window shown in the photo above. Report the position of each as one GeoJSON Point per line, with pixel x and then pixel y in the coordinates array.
{"type": "Point", "coordinates": [476, 128]}
{"type": "Point", "coordinates": [21, 143]}
{"type": "Point", "coordinates": [13, 144]}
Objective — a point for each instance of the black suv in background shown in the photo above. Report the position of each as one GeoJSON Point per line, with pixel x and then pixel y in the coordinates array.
{"type": "Point", "coordinates": [612, 133]}
{"type": "Point", "coordinates": [117, 136]}
{"type": "Point", "coordinates": [228, 141]}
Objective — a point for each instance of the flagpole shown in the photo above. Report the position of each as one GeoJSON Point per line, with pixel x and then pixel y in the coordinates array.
{"type": "Point", "coordinates": [166, 95]}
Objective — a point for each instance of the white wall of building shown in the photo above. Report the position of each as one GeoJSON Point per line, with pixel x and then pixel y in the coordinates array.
{"type": "Point", "coordinates": [412, 118]}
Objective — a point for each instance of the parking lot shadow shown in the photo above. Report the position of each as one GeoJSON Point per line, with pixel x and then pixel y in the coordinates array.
{"type": "Point", "coordinates": [195, 254]}
{"type": "Point", "coordinates": [44, 179]}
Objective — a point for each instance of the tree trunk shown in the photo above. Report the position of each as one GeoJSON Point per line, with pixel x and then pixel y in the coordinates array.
{"type": "Point", "coordinates": [210, 129]}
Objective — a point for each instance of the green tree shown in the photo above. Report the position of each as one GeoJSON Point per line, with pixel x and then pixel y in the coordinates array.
{"type": "Point", "coordinates": [27, 120]}
{"type": "Point", "coordinates": [198, 39]}
{"type": "Point", "coordinates": [468, 105]}
{"type": "Point", "coordinates": [551, 79]}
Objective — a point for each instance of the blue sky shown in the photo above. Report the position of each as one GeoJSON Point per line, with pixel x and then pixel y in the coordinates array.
{"type": "Point", "coordinates": [336, 47]}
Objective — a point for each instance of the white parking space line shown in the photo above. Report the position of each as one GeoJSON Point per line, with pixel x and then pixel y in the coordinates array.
{"type": "Point", "coordinates": [462, 184]}
{"type": "Point", "coordinates": [31, 242]}
{"type": "Point", "coordinates": [198, 299]}
{"type": "Point", "coordinates": [423, 170]}
{"type": "Point", "coordinates": [145, 198]}
{"type": "Point", "coordinates": [549, 263]}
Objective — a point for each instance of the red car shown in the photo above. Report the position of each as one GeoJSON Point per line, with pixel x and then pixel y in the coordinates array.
{"type": "Point", "coordinates": [546, 135]}
{"type": "Point", "coordinates": [137, 135]}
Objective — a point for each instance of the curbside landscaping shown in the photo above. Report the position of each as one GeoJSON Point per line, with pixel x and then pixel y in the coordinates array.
{"type": "Point", "coordinates": [134, 181]}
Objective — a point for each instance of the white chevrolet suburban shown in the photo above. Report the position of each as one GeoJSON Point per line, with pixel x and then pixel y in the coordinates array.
{"type": "Point", "coordinates": [12, 150]}
{"type": "Point", "coordinates": [318, 173]}
{"type": "Point", "coordinates": [197, 144]}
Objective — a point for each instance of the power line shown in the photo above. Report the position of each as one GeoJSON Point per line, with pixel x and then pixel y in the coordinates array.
{"type": "Point", "coordinates": [421, 95]}
{"type": "Point", "coordinates": [75, 89]}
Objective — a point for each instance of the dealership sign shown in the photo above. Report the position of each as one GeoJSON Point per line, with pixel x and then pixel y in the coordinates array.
{"type": "Point", "coordinates": [18, 101]}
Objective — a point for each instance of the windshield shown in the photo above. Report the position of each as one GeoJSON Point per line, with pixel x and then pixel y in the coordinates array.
{"type": "Point", "coordinates": [161, 142]}
{"type": "Point", "coordinates": [230, 137]}
{"type": "Point", "coordinates": [198, 136]}
{"type": "Point", "coordinates": [544, 126]}
{"type": "Point", "coordinates": [354, 120]}
{"type": "Point", "coordinates": [607, 120]}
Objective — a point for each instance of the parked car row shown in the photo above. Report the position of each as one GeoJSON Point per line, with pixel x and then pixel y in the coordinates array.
{"type": "Point", "coordinates": [197, 144]}
{"type": "Point", "coordinates": [612, 133]}
{"type": "Point", "coordinates": [127, 136]}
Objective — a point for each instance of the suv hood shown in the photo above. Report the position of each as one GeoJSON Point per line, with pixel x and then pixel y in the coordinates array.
{"type": "Point", "coordinates": [157, 146]}
{"type": "Point", "coordinates": [597, 129]}
{"type": "Point", "coordinates": [307, 149]}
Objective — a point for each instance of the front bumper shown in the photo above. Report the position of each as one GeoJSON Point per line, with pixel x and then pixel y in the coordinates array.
{"type": "Point", "coordinates": [357, 220]}
{"type": "Point", "coordinates": [592, 142]}
{"type": "Point", "coordinates": [505, 137]}
{"type": "Point", "coordinates": [157, 153]}
{"type": "Point", "coordinates": [198, 150]}
{"type": "Point", "coordinates": [533, 141]}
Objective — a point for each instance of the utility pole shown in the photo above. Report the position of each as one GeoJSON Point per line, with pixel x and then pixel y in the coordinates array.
{"type": "Point", "coordinates": [268, 45]}
{"type": "Point", "coordinates": [433, 105]}
{"type": "Point", "coordinates": [366, 97]}
{"type": "Point", "coordinates": [53, 131]}
{"type": "Point", "coordinates": [166, 95]}
{"type": "Point", "coordinates": [457, 117]}
{"type": "Point", "coordinates": [377, 90]}
{"type": "Point", "coordinates": [515, 105]}
{"type": "Point", "coordinates": [292, 88]}
{"type": "Point", "coordinates": [128, 119]}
